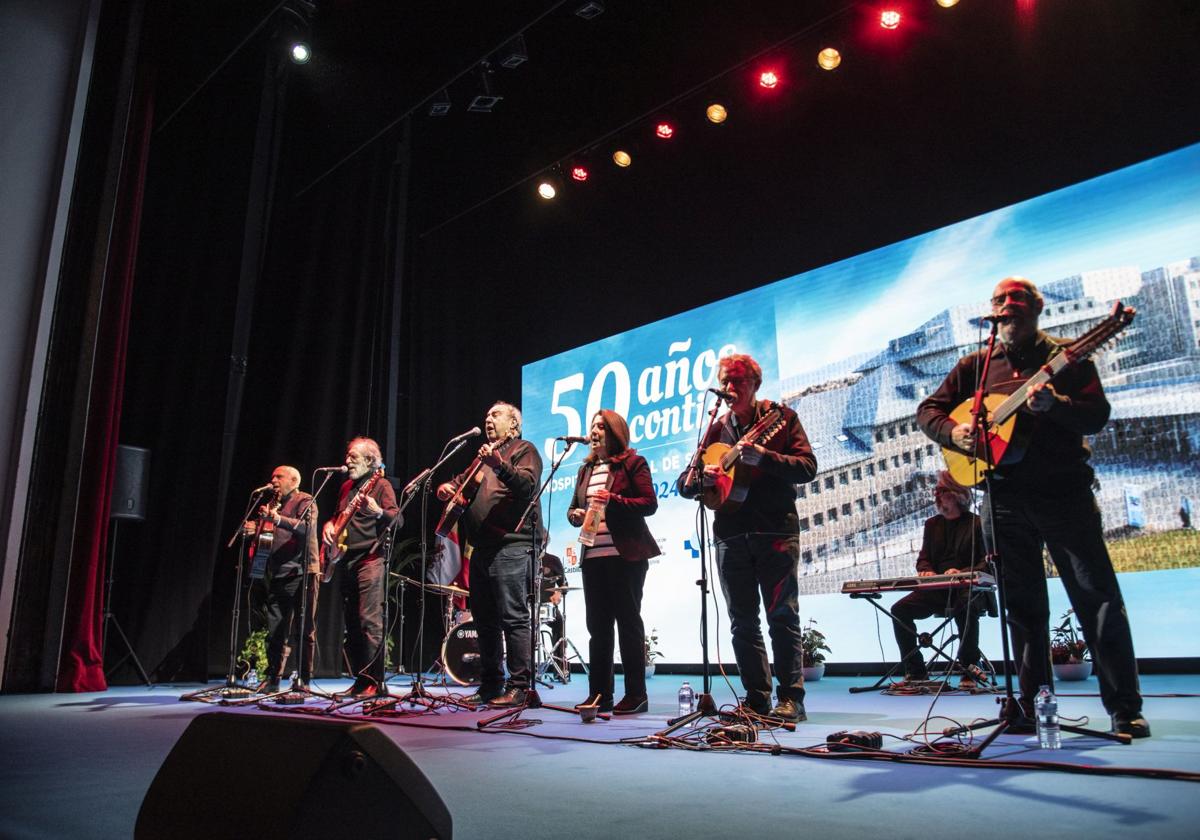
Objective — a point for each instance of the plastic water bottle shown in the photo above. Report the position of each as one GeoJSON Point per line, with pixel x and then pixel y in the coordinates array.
{"type": "Point", "coordinates": [687, 699]}
{"type": "Point", "coordinates": [593, 518]}
{"type": "Point", "coordinates": [1045, 708]}
{"type": "Point", "coordinates": [252, 678]}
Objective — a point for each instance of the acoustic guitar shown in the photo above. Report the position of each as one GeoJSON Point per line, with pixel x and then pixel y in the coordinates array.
{"type": "Point", "coordinates": [462, 498]}
{"type": "Point", "coordinates": [727, 493]}
{"type": "Point", "coordinates": [1001, 445]}
{"type": "Point", "coordinates": [332, 553]}
{"type": "Point", "coordinates": [264, 539]}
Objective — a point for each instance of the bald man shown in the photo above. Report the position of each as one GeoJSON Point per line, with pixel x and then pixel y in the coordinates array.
{"type": "Point", "coordinates": [294, 547]}
{"type": "Point", "coordinates": [1042, 496]}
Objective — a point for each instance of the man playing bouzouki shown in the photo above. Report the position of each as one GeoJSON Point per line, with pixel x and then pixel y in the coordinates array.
{"type": "Point", "coordinates": [1040, 494]}
{"type": "Point", "coordinates": [363, 576]}
{"type": "Point", "coordinates": [503, 480]}
{"type": "Point", "coordinates": [758, 540]}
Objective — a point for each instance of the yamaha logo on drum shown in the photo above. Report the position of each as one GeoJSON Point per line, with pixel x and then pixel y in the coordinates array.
{"type": "Point", "coordinates": [467, 633]}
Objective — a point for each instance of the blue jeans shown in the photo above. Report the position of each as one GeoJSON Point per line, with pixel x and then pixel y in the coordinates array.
{"type": "Point", "coordinates": [500, 608]}
{"type": "Point", "coordinates": [766, 565]}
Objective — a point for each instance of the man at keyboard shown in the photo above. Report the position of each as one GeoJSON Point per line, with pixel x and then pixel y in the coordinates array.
{"type": "Point", "coordinates": [953, 542]}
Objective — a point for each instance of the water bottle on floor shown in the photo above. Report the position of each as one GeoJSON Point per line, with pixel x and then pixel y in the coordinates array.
{"type": "Point", "coordinates": [687, 699]}
{"type": "Point", "coordinates": [1045, 708]}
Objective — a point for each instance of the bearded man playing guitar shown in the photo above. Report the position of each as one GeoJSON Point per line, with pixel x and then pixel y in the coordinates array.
{"type": "Point", "coordinates": [500, 482]}
{"type": "Point", "coordinates": [1040, 494]}
{"type": "Point", "coordinates": [282, 529]}
{"type": "Point", "coordinates": [757, 532]}
{"type": "Point", "coordinates": [371, 502]}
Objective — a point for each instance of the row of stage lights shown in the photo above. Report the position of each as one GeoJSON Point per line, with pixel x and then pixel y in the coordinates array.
{"type": "Point", "coordinates": [828, 59]}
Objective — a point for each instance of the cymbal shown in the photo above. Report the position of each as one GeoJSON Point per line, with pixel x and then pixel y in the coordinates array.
{"type": "Point", "coordinates": [440, 588]}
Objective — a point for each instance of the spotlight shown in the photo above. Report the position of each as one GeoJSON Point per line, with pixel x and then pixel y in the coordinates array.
{"type": "Point", "coordinates": [664, 130]}
{"type": "Point", "coordinates": [295, 26]}
{"type": "Point", "coordinates": [889, 18]}
{"type": "Point", "coordinates": [579, 173]}
{"type": "Point", "coordinates": [716, 113]}
{"type": "Point", "coordinates": [546, 190]}
{"type": "Point", "coordinates": [589, 10]}
{"type": "Point", "coordinates": [440, 106]}
{"type": "Point", "coordinates": [485, 101]}
{"type": "Point", "coordinates": [301, 52]}
{"type": "Point", "coordinates": [621, 158]}
{"type": "Point", "coordinates": [513, 53]}
{"type": "Point", "coordinates": [768, 79]}
{"type": "Point", "coordinates": [946, 4]}
{"type": "Point", "coordinates": [829, 58]}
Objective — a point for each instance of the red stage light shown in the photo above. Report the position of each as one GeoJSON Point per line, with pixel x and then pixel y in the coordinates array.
{"type": "Point", "coordinates": [664, 130]}
{"type": "Point", "coordinates": [768, 79]}
{"type": "Point", "coordinates": [889, 18]}
{"type": "Point", "coordinates": [579, 173]}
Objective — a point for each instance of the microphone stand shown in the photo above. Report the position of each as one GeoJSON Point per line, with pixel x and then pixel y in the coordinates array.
{"type": "Point", "coordinates": [232, 689]}
{"type": "Point", "coordinates": [1012, 713]}
{"type": "Point", "coordinates": [532, 699]}
{"type": "Point", "coordinates": [706, 707]}
{"type": "Point", "coordinates": [417, 694]}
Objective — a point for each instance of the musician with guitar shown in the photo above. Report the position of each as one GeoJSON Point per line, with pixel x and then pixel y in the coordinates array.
{"type": "Point", "coordinates": [1040, 490]}
{"type": "Point", "coordinates": [487, 500]}
{"type": "Point", "coordinates": [952, 542]}
{"type": "Point", "coordinates": [754, 457]}
{"type": "Point", "coordinates": [281, 534]}
{"type": "Point", "coordinates": [366, 505]}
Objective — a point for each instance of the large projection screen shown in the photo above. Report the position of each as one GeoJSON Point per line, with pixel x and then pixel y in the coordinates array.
{"type": "Point", "coordinates": [854, 346]}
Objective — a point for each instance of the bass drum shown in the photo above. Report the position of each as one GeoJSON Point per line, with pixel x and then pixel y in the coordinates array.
{"type": "Point", "coordinates": [460, 653]}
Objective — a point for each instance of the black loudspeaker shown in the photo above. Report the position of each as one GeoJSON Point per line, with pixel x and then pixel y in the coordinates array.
{"type": "Point", "coordinates": [268, 776]}
{"type": "Point", "coordinates": [131, 483]}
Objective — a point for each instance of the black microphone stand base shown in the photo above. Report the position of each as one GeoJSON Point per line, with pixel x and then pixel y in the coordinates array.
{"type": "Point", "coordinates": [532, 701]}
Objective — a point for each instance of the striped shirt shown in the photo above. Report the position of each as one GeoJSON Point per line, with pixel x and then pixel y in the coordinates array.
{"type": "Point", "coordinates": [603, 545]}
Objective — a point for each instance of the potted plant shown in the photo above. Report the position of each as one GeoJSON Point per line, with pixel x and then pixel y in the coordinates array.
{"type": "Point", "coordinates": [812, 641]}
{"type": "Point", "coordinates": [253, 658]}
{"type": "Point", "coordinates": [652, 652]}
{"type": "Point", "coordinates": [1069, 652]}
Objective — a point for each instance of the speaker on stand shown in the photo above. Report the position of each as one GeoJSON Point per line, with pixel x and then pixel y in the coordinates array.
{"type": "Point", "coordinates": [131, 484]}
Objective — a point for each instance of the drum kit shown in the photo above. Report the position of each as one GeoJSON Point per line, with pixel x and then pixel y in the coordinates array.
{"type": "Point", "coordinates": [460, 647]}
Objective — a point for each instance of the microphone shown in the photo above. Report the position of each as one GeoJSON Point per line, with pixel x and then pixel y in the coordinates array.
{"type": "Point", "coordinates": [994, 319]}
{"type": "Point", "coordinates": [574, 439]}
{"type": "Point", "coordinates": [412, 485]}
{"type": "Point", "coordinates": [467, 434]}
{"type": "Point", "coordinates": [341, 468]}
{"type": "Point", "coordinates": [722, 394]}
{"type": "Point", "coordinates": [262, 489]}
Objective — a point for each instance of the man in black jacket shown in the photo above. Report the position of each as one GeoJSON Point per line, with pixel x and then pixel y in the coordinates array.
{"type": "Point", "coordinates": [293, 546]}
{"type": "Point", "coordinates": [1041, 496]}
{"type": "Point", "coordinates": [363, 578]}
{"type": "Point", "coordinates": [758, 545]}
{"type": "Point", "coordinates": [501, 556]}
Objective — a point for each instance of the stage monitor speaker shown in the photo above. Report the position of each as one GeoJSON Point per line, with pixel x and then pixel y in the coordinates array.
{"type": "Point", "coordinates": [269, 776]}
{"type": "Point", "coordinates": [131, 483]}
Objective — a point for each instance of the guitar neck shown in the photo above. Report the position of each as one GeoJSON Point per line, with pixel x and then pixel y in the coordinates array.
{"type": "Point", "coordinates": [1013, 402]}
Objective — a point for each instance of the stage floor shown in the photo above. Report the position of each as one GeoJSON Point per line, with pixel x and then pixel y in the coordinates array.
{"type": "Point", "coordinates": [79, 765]}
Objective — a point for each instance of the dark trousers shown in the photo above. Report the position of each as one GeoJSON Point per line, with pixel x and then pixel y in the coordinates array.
{"type": "Point", "coordinates": [362, 603]}
{"type": "Point", "coordinates": [1070, 528]}
{"type": "Point", "coordinates": [764, 565]}
{"type": "Point", "coordinates": [500, 608]}
{"type": "Point", "coordinates": [283, 622]}
{"type": "Point", "coordinates": [916, 605]}
{"type": "Point", "coordinates": [612, 592]}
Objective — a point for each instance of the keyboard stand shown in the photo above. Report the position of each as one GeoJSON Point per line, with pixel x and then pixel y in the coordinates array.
{"type": "Point", "coordinates": [924, 640]}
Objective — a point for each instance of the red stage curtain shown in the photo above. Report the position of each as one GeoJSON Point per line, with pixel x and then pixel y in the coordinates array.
{"type": "Point", "coordinates": [81, 666]}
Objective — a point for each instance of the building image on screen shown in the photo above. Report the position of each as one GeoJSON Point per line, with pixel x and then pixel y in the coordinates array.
{"type": "Point", "coordinates": [855, 346]}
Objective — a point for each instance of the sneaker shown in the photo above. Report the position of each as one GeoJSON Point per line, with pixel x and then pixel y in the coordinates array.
{"type": "Point", "coordinates": [1130, 723]}
{"type": "Point", "coordinates": [631, 706]}
{"type": "Point", "coordinates": [513, 697]}
{"type": "Point", "coordinates": [789, 710]}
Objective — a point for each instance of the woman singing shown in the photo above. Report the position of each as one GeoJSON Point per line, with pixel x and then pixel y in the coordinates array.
{"type": "Point", "coordinates": [614, 566]}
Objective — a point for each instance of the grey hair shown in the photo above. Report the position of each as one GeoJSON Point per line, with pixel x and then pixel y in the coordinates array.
{"type": "Point", "coordinates": [516, 414]}
{"type": "Point", "coordinates": [369, 447]}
